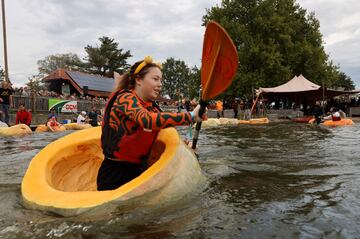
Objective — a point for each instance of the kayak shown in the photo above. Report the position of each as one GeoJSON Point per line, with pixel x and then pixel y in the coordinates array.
{"type": "Point", "coordinates": [61, 178]}
{"type": "Point", "coordinates": [44, 128]}
{"type": "Point", "coordinates": [16, 130]}
{"type": "Point", "coordinates": [303, 119]}
{"type": "Point", "coordinates": [76, 126]}
{"type": "Point", "coordinates": [255, 121]}
{"type": "Point", "coordinates": [338, 123]}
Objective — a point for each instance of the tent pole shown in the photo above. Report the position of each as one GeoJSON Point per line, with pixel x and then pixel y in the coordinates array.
{"type": "Point", "coordinates": [323, 96]}
{"type": "Point", "coordinates": [253, 106]}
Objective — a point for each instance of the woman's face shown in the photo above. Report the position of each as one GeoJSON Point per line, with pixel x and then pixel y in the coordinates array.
{"type": "Point", "coordinates": [150, 85]}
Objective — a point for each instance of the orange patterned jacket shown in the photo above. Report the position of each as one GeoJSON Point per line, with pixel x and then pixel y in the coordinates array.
{"type": "Point", "coordinates": [130, 126]}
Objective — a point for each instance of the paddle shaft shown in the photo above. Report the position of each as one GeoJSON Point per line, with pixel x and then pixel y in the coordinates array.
{"type": "Point", "coordinates": [254, 104]}
{"type": "Point", "coordinates": [203, 105]}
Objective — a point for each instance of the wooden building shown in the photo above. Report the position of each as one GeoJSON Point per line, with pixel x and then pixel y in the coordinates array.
{"type": "Point", "coordinates": [69, 82]}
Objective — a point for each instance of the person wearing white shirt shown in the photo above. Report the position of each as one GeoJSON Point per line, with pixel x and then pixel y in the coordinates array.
{"type": "Point", "coordinates": [336, 114]}
{"type": "Point", "coordinates": [81, 118]}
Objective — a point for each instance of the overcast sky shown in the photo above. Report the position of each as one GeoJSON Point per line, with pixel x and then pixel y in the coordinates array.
{"type": "Point", "coordinates": [160, 28]}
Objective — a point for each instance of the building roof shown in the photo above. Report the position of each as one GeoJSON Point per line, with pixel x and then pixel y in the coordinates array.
{"type": "Point", "coordinates": [93, 82]}
{"type": "Point", "coordinates": [97, 85]}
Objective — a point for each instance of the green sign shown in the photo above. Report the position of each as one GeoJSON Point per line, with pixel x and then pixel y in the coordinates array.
{"type": "Point", "coordinates": [69, 106]}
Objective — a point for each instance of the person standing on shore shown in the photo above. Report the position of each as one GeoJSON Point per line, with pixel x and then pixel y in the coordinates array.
{"type": "Point", "coordinates": [219, 109]}
{"type": "Point", "coordinates": [5, 101]}
{"type": "Point", "coordinates": [235, 106]}
{"type": "Point", "coordinates": [93, 116]}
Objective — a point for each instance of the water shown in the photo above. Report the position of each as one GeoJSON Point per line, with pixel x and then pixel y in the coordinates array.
{"type": "Point", "coordinates": [282, 180]}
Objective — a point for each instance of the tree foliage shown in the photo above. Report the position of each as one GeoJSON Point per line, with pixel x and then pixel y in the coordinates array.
{"type": "Point", "coordinates": [2, 73]}
{"type": "Point", "coordinates": [175, 74]}
{"type": "Point", "coordinates": [193, 83]}
{"type": "Point", "coordinates": [343, 81]}
{"type": "Point", "coordinates": [276, 39]}
{"type": "Point", "coordinates": [35, 83]}
{"type": "Point", "coordinates": [179, 80]}
{"type": "Point", "coordinates": [69, 61]}
{"type": "Point", "coordinates": [106, 58]}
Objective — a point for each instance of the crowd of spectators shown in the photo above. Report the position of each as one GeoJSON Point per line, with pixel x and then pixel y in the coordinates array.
{"type": "Point", "coordinates": [179, 105]}
{"type": "Point", "coordinates": [25, 91]}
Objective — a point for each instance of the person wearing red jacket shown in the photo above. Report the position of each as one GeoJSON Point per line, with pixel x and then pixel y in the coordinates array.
{"type": "Point", "coordinates": [23, 116]}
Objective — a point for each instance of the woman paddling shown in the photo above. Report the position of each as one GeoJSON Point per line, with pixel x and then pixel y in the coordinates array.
{"type": "Point", "coordinates": [131, 123]}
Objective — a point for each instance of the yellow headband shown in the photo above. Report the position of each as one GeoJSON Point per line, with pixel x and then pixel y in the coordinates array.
{"type": "Point", "coordinates": [147, 60]}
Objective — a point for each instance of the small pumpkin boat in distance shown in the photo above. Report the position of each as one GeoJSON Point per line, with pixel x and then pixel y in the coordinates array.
{"type": "Point", "coordinates": [211, 122]}
{"type": "Point", "coordinates": [61, 178]}
{"type": "Point", "coordinates": [255, 121]}
{"type": "Point", "coordinates": [16, 130]}
{"type": "Point", "coordinates": [338, 123]}
{"type": "Point", "coordinates": [76, 126]}
{"type": "Point", "coordinates": [45, 128]}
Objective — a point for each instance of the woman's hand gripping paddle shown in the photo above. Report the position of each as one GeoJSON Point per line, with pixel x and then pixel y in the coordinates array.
{"type": "Point", "coordinates": [218, 67]}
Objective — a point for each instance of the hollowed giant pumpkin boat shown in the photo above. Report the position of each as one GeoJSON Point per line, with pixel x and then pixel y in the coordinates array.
{"type": "Point", "coordinates": [338, 123]}
{"type": "Point", "coordinates": [16, 130]}
{"type": "Point", "coordinates": [61, 178]}
{"type": "Point", "coordinates": [255, 121]}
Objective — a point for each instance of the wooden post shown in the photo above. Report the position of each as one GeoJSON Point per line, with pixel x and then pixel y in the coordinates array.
{"type": "Point", "coordinates": [253, 106]}
{"type": "Point", "coordinates": [33, 102]}
{"type": "Point", "coordinates": [5, 43]}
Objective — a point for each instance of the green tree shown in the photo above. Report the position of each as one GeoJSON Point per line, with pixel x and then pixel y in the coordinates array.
{"type": "Point", "coordinates": [69, 61]}
{"type": "Point", "coordinates": [343, 81]}
{"type": "Point", "coordinates": [193, 83]}
{"type": "Point", "coordinates": [176, 76]}
{"type": "Point", "coordinates": [2, 73]}
{"type": "Point", "coordinates": [276, 39]}
{"type": "Point", "coordinates": [35, 83]}
{"type": "Point", "coordinates": [106, 58]}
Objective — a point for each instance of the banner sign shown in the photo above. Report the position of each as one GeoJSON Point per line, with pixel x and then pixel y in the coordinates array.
{"type": "Point", "coordinates": [63, 106]}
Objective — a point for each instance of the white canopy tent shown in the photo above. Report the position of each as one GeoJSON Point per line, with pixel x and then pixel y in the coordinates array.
{"type": "Point", "coordinates": [300, 89]}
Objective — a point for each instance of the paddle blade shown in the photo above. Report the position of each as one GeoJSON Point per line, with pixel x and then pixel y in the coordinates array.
{"type": "Point", "coordinates": [219, 61]}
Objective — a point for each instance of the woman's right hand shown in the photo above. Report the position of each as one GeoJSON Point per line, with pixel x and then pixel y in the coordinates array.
{"type": "Point", "coordinates": [197, 118]}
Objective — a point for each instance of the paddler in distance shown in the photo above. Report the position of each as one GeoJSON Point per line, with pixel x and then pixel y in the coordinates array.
{"type": "Point", "coordinates": [335, 114]}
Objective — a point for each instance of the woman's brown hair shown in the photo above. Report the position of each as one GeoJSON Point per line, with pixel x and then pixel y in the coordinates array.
{"type": "Point", "coordinates": [127, 80]}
